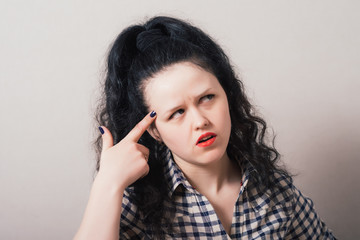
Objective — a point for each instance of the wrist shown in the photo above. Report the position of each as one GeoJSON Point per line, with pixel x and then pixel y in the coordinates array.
{"type": "Point", "coordinates": [105, 184]}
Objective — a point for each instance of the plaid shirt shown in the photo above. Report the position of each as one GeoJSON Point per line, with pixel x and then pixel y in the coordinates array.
{"type": "Point", "coordinates": [256, 215]}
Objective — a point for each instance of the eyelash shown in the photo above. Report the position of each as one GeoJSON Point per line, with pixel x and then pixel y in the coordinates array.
{"type": "Point", "coordinates": [208, 97]}
{"type": "Point", "coordinates": [181, 111]}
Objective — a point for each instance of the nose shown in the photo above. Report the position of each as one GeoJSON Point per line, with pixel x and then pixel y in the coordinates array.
{"type": "Point", "coordinates": [200, 121]}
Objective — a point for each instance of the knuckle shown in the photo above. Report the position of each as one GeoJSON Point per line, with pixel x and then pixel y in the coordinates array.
{"type": "Point", "coordinates": [140, 156]}
{"type": "Point", "coordinates": [143, 163]}
{"type": "Point", "coordinates": [146, 169]}
{"type": "Point", "coordinates": [147, 151]}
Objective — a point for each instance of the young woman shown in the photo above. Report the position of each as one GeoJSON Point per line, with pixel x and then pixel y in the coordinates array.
{"type": "Point", "coordinates": [197, 165]}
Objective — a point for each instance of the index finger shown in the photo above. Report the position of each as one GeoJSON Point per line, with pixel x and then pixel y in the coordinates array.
{"type": "Point", "coordinates": [139, 129]}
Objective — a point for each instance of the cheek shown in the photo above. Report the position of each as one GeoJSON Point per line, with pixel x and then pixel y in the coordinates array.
{"type": "Point", "coordinates": [172, 136]}
{"type": "Point", "coordinates": [225, 117]}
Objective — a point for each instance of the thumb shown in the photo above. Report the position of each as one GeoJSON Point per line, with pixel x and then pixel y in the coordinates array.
{"type": "Point", "coordinates": [107, 138]}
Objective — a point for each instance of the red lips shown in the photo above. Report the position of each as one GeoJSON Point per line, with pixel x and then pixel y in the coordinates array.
{"type": "Point", "coordinates": [206, 139]}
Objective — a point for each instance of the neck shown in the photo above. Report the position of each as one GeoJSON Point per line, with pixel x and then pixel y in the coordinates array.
{"type": "Point", "coordinates": [212, 178]}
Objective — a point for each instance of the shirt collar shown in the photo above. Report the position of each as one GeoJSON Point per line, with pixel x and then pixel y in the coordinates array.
{"type": "Point", "coordinates": [176, 178]}
{"type": "Point", "coordinates": [174, 175]}
{"type": "Point", "coordinates": [258, 200]}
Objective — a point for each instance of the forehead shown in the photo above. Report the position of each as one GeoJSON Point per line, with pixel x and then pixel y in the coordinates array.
{"type": "Point", "coordinates": [178, 81]}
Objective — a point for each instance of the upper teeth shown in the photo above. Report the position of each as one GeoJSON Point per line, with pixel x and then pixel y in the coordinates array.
{"type": "Point", "coordinates": [206, 138]}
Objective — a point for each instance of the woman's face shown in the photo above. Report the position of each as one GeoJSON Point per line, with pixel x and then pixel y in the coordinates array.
{"type": "Point", "coordinates": [193, 118]}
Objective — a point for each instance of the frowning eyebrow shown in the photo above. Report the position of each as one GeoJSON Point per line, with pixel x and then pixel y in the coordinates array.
{"type": "Point", "coordinates": [195, 96]}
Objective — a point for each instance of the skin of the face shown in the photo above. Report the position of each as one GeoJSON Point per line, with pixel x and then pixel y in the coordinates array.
{"type": "Point", "coordinates": [189, 102]}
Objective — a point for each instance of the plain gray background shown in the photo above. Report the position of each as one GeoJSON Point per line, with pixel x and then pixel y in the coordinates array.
{"type": "Point", "coordinates": [299, 61]}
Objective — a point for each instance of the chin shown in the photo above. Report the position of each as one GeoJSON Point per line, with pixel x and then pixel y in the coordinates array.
{"type": "Point", "coordinates": [213, 157]}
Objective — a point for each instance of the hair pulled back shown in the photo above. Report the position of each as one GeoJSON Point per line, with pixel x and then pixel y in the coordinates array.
{"type": "Point", "coordinates": [141, 51]}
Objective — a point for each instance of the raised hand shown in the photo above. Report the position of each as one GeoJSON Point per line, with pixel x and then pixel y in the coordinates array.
{"type": "Point", "coordinates": [124, 163]}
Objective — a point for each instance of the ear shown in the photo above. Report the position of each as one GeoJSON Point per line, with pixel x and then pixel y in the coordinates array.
{"type": "Point", "coordinates": [152, 130]}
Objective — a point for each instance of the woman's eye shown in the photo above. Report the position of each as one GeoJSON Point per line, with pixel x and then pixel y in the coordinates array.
{"type": "Point", "coordinates": [207, 98]}
{"type": "Point", "coordinates": [177, 114]}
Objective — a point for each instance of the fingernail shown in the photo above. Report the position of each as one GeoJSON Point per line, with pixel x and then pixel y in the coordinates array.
{"type": "Point", "coordinates": [152, 114]}
{"type": "Point", "coordinates": [101, 130]}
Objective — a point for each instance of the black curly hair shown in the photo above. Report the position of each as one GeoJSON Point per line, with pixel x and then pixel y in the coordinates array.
{"type": "Point", "coordinates": [139, 52]}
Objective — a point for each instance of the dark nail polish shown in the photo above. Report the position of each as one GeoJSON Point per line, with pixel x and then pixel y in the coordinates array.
{"type": "Point", "coordinates": [101, 130]}
{"type": "Point", "coordinates": [152, 114]}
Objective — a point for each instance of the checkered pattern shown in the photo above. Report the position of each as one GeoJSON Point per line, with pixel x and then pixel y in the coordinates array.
{"type": "Point", "coordinates": [282, 214]}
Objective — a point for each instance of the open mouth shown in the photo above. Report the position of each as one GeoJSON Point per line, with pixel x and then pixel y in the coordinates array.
{"type": "Point", "coordinates": [206, 139]}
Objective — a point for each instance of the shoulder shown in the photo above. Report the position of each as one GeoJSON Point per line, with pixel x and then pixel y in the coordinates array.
{"type": "Point", "coordinates": [305, 222]}
{"type": "Point", "coordinates": [286, 203]}
{"type": "Point", "coordinates": [279, 194]}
